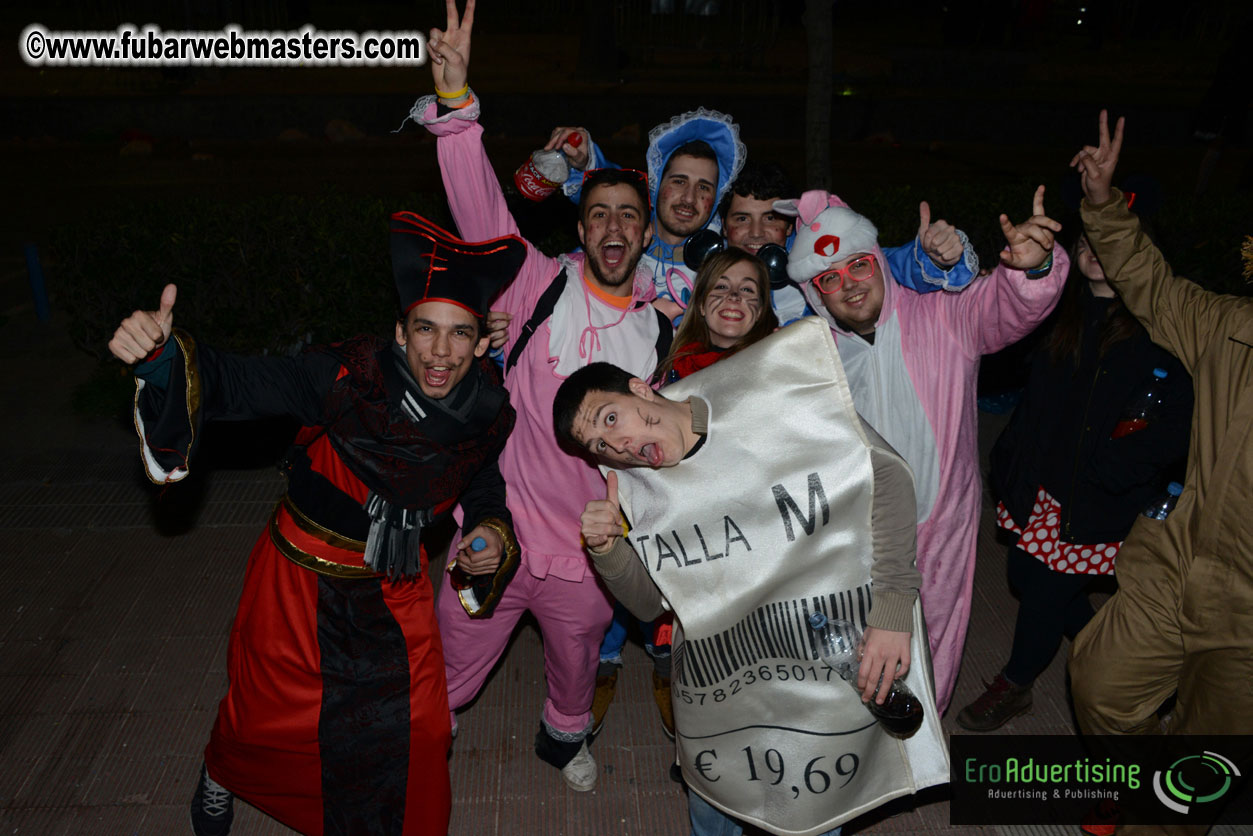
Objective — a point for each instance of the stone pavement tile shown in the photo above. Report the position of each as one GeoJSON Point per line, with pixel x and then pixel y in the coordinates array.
{"type": "Point", "coordinates": [73, 821]}
{"type": "Point", "coordinates": [33, 737]}
{"type": "Point", "coordinates": [51, 694]}
{"type": "Point", "coordinates": [475, 773]}
{"type": "Point", "coordinates": [605, 811]}
{"type": "Point", "coordinates": [924, 812]}
{"type": "Point", "coordinates": [126, 781]}
{"type": "Point", "coordinates": [165, 819]}
{"type": "Point", "coordinates": [188, 654]}
{"type": "Point", "coordinates": [56, 782]}
{"type": "Point", "coordinates": [109, 694]}
{"type": "Point", "coordinates": [178, 778]}
{"type": "Point", "coordinates": [28, 559]}
{"type": "Point", "coordinates": [170, 690]}
{"type": "Point", "coordinates": [131, 654]}
{"type": "Point", "coordinates": [210, 614]}
{"type": "Point", "coordinates": [484, 815]}
{"type": "Point", "coordinates": [616, 767]}
{"type": "Point", "coordinates": [22, 655]}
{"type": "Point", "coordinates": [160, 610]}
{"type": "Point", "coordinates": [487, 725]}
{"type": "Point", "coordinates": [634, 723]}
{"type": "Point", "coordinates": [57, 653]}
{"type": "Point", "coordinates": [38, 620]}
{"type": "Point", "coordinates": [163, 734]}
{"type": "Point", "coordinates": [212, 690]}
{"type": "Point", "coordinates": [251, 821]}
{"type": "Point", "coordinates": [652, 769]}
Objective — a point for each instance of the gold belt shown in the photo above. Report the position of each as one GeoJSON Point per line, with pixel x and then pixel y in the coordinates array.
{"type": "Point", "coordinates": [324, 536]}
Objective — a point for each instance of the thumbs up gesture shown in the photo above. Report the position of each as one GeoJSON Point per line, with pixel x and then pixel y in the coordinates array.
{"type": "Point", "coordinates": [143, 332]}
{"type": "Point", "coordinates": [939, 239]}
{"type": "Point", "coordinates": [601, 521]}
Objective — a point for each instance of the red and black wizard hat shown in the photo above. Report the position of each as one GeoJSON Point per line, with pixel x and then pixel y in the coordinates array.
{"type": "Point", "coordinates": [432, 265]}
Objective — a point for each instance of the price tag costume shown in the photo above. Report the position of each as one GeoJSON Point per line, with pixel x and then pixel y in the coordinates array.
{"type": "Point", "coordinates": [766, 732]}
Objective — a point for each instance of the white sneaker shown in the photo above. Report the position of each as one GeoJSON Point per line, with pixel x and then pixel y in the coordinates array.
{"type": "Point", "coordinates": [580, 773]}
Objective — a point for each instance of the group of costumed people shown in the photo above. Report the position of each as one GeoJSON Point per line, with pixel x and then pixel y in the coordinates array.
{"type": "Point", "coordinates": [621, 454]}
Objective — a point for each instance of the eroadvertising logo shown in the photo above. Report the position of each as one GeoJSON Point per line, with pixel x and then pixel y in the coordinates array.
{"type": "Point", "coordinates": [1054, 779]}
{"type": "Point", "coordinates": [1195, 779]}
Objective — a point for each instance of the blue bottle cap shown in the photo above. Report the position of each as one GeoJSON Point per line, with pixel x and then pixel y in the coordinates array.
{"type": "Point", "coordinates": [1174, 489]}
{"type": "Point", "coordinates": [1159, 373]}
{"type": "Point", "coordinates": [817, 620]}
{"type": "Point", "coordinates": [478, 544]}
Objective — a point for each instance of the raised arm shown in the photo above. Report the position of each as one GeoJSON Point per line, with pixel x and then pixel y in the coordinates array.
{"type": "Point", "coordinates": [181, 384]}
{"type": "Point", "coordinates": [583, 157]}
{"type": "Point", "coordinates": [1008, 304]}
{"type": "Point", "coordinates": [474, 194]}
{"type": "Point", "coordinates": [1180, 316]}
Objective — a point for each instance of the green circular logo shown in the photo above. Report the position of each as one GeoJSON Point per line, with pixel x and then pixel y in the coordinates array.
{"type": "Point", "coordinates": [1194, 779]}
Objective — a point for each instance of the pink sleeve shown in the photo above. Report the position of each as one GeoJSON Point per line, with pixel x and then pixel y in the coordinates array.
{"type": "Point", "coordinates": [478, 206]}
{"type": "Point", "coordinates": [1003, 307]}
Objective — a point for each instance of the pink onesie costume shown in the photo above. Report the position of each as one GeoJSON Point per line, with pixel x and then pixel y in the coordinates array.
{"type": "Point", "coordinates": [547, 487]}
{"type": "Point", "coordinates": [915, 384]}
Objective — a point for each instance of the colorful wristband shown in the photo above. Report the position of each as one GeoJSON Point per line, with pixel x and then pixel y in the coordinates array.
{"type": "Point", "coordinates": [1043, 269]}
{"type": "Point", "coordinates": [457, 95]}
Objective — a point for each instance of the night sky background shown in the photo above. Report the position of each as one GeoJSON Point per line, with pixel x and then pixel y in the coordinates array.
{"type": "Point", "coordinates": [123, 178]}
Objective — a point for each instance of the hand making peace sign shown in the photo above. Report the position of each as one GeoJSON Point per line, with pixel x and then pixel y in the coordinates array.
{"type": "Point", "coordinates": [450, 50]}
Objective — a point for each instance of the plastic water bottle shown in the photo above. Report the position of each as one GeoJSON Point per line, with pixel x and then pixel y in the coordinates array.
{"type": "Point", "coordinates": [461, 579]}
{"type": "Point", "coordinates": [1143, 408]}
{"type": "Point", "coordinates": [839, 645]}
{"type": "Point", "coordinates": [1161, 508]}
{"type": "Point", "coordinates": [544, 171]}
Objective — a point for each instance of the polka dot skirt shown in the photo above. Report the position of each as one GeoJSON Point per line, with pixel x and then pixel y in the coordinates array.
{"type": "Point", "coordinates": [1041, 539]}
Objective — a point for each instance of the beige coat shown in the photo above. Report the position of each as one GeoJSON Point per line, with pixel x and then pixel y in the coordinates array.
{"type": "Point", "coordinates": [1185, 618]}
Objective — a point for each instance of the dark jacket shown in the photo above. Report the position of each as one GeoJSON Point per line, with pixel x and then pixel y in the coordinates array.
{"type": "Point", "coordinates": [1060, 435]}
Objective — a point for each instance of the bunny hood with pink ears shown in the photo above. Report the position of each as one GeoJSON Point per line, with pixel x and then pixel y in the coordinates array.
{"type": "Point", "coordinates": [827, 232]}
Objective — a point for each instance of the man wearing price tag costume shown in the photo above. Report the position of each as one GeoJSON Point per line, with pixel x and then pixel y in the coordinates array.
{"type": "Point", "coordinates": [758, 496]}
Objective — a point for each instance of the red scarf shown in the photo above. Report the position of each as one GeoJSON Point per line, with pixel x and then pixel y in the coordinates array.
{"type": "Point", "coordinates": [690, 358]}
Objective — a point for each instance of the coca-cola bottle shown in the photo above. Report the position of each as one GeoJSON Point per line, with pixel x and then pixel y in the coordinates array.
{"type": "Point", "coordinates": [839, 645]}
{"type": "Point", "coordinates": [544, 171]}
{"type": "Point", "coordinates": [1143, 407]}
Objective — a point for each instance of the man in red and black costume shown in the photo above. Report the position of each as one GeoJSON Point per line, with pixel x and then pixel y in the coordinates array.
{"type": "Point", "coordinates": [336, 718]}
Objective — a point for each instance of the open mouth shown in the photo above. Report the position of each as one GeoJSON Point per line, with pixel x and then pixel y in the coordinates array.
{"type": "Point", "coordinates": [437, 376]}
{"type": "Point", "coordinates": [684, 212]}
{"type": "Point", "coordinates": [856, 299]}
{"type": "Point", "coordinates": [752, 247]}
{"type": "Point", "coordinates": [612, 253]}
{"type": "Point", "coordinates": [732, 316]}
{"type": "Point", "coordinates": [650, 453]}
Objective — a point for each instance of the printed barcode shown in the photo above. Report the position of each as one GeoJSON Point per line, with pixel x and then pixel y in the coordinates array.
{"type": "Point", "coordinates": [779, 630]}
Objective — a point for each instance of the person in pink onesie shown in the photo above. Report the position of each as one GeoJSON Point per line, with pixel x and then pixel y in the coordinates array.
{"type": "Point", "coordinates": [912, 362]}
{"type": "Point", "coordinates": [602, 312]}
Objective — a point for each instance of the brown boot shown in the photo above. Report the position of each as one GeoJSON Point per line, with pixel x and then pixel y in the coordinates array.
{"type": "Point", "coordinates": [661, 693]}
{"type": "Point", "coordinates": [1000, 703]}
{"type": "Point", "coordinates": [606, 685]}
